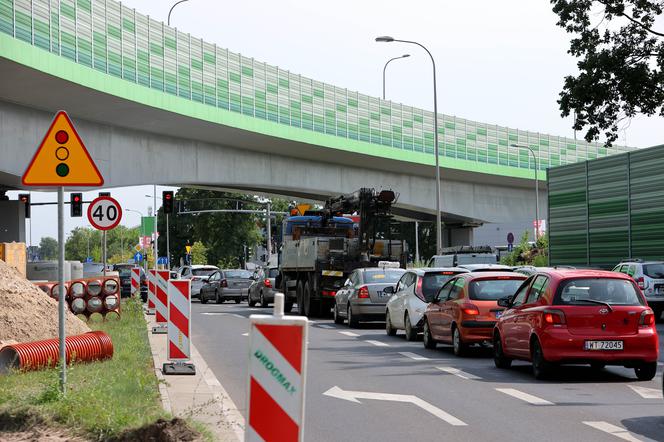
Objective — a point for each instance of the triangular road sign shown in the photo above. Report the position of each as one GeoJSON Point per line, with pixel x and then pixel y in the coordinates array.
{"type": "Point", "coordinates": [62, 159]}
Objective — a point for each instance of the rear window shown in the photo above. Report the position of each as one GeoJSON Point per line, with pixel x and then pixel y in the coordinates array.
{"type": "Point", "coordinates": [493, 289]}
{"type": "Point", "coordinates": [237, 274]}
{"type": "Point", "coordinates": [654, 270]}
{"type": "Point", "coordinates": [203, 272]}
{"type": "Point", "coordinates": [273, 273]}
{"type": "Point", "coordinates": [589, 291]}
{"type": "Point", "coordinates": [433, 281]}
{"type": "Point", "coordinates": [124, 272]}
{"type": "Point", "coordinates": [383, 276]}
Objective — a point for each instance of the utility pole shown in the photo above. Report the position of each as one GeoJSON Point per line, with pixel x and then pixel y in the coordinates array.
{"type": "Point", "coordinates": [269, 233]}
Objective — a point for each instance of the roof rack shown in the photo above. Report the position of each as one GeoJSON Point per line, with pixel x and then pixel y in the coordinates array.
{"type": "Point", "coordinates": [466, 249]}
{"type": "Point", "coordinates": [631, 260]}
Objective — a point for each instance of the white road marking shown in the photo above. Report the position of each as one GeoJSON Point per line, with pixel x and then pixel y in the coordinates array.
{"type": "Point", "coordinates": [647, 393]}
{"type": "Point", "coordinates": [354, 396]}
{"type": "Point", "coordinates": [238, 316]}
{"type": "Point", "coordinates": [614, 430]}
{"type": "Point", "coordinates": [245, 334]}
{"type": "Point", "coordinates": [223, 314]}
{"type": "Point", "coordinates": [326, 326]}
{"type": "Point", "coordinates": [349, 333]}
{"type": "Point", "coordinates": [377, 343]}
{"type": "Point", "coordinates": [413, 356]}
{"type": "Point", "coordinates": [459, 373]}
{"type": "Point", "coordinates": [534, 400]}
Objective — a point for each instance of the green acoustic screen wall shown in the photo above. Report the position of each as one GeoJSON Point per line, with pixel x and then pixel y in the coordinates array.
{"type": "Point", "coordinates": [606, 210]}
{"type": "Point", "coordinates": [109, 37]}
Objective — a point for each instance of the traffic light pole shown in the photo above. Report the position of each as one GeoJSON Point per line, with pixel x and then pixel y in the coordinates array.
{"type": "Point", "coordinates": [269, 234]}
{"type": "Point", "coordinates": [168, 246]}
{"type": "Point", "coordinates": [61, 286]}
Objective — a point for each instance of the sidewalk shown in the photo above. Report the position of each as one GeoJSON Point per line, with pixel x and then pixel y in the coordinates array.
{"type": "Point", "coordinates": [200, 397]}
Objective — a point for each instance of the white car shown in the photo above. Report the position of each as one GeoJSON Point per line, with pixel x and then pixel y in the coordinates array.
{"type": "Point", "coordinates": [416, 288]}
{"type": "Point", "coordinates": [649, 276]}
{"type": "Point", "coordinates": [198, 274]}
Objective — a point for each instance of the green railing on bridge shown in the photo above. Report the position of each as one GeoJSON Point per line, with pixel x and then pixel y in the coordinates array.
{"type": "Point", "coordinates": [114, 39]}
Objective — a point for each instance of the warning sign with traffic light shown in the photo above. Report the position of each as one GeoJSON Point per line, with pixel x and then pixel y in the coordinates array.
{"type": "Point", "coordinates": [62, 159]}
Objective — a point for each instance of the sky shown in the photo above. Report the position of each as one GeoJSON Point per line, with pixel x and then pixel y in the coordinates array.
{"type": "Point", "coordinates": [498, 62]}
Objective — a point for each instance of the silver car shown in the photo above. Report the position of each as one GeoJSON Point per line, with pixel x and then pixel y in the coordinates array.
{"type": "Point", "coordinates": [263, 288]}
{"type": "Point", "coordinates": [227, 284]}
{"type": "Point", "coordinates": [362, 298]}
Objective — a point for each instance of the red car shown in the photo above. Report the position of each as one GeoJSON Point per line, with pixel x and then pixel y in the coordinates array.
{"type": "Point", "coordinates": [577, 317]}
{"type": "Point", "coordinates": [465, 309]}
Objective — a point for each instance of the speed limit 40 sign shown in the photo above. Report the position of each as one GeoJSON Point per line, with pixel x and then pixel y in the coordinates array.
{"type": "Point", "coordinates": [104, 213]}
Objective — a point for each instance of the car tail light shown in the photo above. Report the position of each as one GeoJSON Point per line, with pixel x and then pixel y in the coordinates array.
{"type": "Point", "coordinates": [554, 317]}
{"type": "Point", "coordinates": [363, 293]}
{"type": "Point", "coordinates": [328, 292]}
{"type": "Point", "coordinates": [470, 309]}
{"type": "Point", "coordinates": [267, 283]}
{"type": "Point", "coordinates": [641, 282]}
{"type": "Point", "coordinates": [647, 318]}
{"type": "Point", "coordinates": [223, 283]}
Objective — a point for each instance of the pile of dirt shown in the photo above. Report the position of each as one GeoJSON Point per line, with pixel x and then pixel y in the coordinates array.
{"type": "Point", "coordinates": [27, 427]}
{"type": "Point", "coordinates": [175, 430]}
{"type": "Point", "coordinates": [27, 313]}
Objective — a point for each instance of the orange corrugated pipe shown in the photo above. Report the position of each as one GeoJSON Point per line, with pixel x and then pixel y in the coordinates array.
{"type": "Point", "coordinates": [91, 346]}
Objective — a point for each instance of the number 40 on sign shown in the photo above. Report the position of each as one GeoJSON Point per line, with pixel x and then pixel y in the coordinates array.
{"type": "Point", "coordinates": [104, 213]}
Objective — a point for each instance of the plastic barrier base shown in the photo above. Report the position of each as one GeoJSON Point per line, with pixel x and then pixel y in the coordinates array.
{"type": "Point", "coordinates": [178, 368]}
{"type": "Point", "coordinates": [160, 329]}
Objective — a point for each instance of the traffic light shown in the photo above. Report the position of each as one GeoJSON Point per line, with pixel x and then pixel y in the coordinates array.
{"type": "Point", "coordinates": [167, 197]}
{"type": "Point", "coordinates": [76, 204]}
{"type": "Point", "coordinates": [25, 199]}
{"type": "Point", "coordinates": [104, 193]}
{"type": "Point", "coordinates": [62, 153]}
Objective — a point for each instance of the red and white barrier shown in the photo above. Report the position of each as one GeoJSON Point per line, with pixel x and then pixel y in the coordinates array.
{"type": "Point", "coordinates": [161, 301]}
{"type": "Point", "coordinates": [179, 328]}
{"type": "Point", "coordinates": [277, 368]}
{"type": "Point", "coordinates": [136, 281]}
{"type": "Point", "coordinates": [151, 291]}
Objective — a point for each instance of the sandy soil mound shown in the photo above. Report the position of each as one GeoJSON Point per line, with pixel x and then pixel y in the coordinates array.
{"type": "Point", "coordinates": [27, 313]}
{"type": "Point", "coordinates": [175, 430]}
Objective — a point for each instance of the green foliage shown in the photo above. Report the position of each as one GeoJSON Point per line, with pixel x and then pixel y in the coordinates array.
{"type": "Point", "coordinates": [120, 244]}
{"type": "Point", "coordinates": [198, 253]}
{"type": "Point", "coordinates": [103, 398]}
{"type": "Point", "coordinates": [48, 248]}
{"type": "Point", "coordinates": [229, 263]}
{"type": "Point", "coordinates": [621, 62]}
{"type": "Point", "coordinates": [527, 254]}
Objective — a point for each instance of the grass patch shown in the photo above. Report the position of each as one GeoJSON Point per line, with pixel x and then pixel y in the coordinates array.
{"type": "Point", "coordinates": [103, 398]}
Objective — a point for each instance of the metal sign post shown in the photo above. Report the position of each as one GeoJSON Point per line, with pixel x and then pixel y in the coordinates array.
{"type": "Point", "coordinates": [61, 288]}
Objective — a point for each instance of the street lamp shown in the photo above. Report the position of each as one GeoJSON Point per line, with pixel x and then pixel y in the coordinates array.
{"type": "Point", "coordinates": [168, 22]}
{"type": "Point", "coordinates": [537, 226]}
{"type": "Point", "coordinates": [439, 236]}
{"type": "Point", "coordinates": [385, 67]}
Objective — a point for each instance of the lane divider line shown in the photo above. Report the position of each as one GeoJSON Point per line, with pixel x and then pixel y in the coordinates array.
{"type": "Point", "coordinates": [459, 373]}
{"type": "Point", "coordinates": [413, 356]}
{"type": "Point", "coordinates": [533, 400]}
{"type": "Point", "coordinates": [245, 334]}
{"type": "Point", "coordinates": [647, 393]}
{"type": "Point", "coordinates": [349, 333]}
{"type": "Point", "coordinates": [377, 343]}
{"type": "Point", "coordinates": [613, 430]}
{"type": "Point", "coordinates": [326, 326]}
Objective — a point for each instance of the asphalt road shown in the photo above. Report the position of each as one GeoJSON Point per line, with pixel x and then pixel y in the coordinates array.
{"type": "Point", "coordinates": [494, 405]}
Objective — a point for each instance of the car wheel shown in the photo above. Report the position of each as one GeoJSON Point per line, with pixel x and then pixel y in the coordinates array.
{"type": "Point", "coordinates": [646, 371]}
{"type": "Point", "coordinates": [391, 331]}
{"type": "Point", "coordinates": [428, 340]}
{"type": "Point", "coordinates": [217, 298]}
{"type": "Point", "coordinates": [499, 358]}
{"type": "Point", "coordinates": [460, 349]}
{"type": "Point", "coordinates": [238, 300]}
{"type": "Point", "coordinates": [352, 321]}
{"type": "Point", "coordinates": [250, 301]}
{"type": "Point", "coordinates": [288, 306]}
{"type": "Point", "coordinates": [203, 299]}
{"type": "Point", "coordinates": [541, 367]}
{"type": "Point", "coordinates": [411, 334]}
{"type": "Point", "coordinates": [337, 319]}
{"type": "Point", "coordinates": [262, 300]}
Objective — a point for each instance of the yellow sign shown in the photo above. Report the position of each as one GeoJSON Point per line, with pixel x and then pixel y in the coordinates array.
{"type": "Point", "coordinates": [303, 208]}
{"type": "Point", "coordinates": [188, 249]}
{"type": "Point", "coordinates": [62, 159]}
{"type": "Point", "coordinates": [138, 247]}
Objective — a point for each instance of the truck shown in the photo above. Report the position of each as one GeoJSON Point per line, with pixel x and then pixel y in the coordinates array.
{"type": "Point", "coordinates": [460, 255]}
{"type": "Point", "coordinates": [321, 248]}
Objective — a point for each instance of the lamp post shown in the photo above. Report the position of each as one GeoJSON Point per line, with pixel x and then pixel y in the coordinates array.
{"type": "Point", "coordinates": [439, 235]}
{"type": "Point", "coordinates": [385, 67]}
{"type": "Point", "coordinates": [532, 152]}
{"type": "Point", "coordinates": [168, 22]}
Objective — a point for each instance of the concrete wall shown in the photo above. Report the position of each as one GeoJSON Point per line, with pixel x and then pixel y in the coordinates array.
{"type": "Point", "coordinates": [12, 221]}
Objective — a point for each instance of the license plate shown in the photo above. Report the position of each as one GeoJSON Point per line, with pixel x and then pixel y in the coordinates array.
{"type": "Point", "coordinates": [604, 345]}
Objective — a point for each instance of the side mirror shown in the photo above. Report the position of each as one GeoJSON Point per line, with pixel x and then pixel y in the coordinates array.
{"type": "Point", "coordinates": [505, 302]}
{"type": "Point", "coordinates": [389, 290]}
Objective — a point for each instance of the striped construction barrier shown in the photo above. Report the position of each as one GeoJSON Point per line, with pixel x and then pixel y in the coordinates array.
{"type": "Point", "coordinates": [161, 301]}
{"type": "Point", "coordinates": [276, 381]}
{"type": "Point", "coordinates": [178, 350]}
{"type": "Point", "coordinates": [136, 281]}
{"type": "Point", "coordinates": [151, 294]}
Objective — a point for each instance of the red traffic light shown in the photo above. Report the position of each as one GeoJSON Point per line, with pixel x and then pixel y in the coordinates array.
{"type": "Point", "coordinates": [23, 198]}
{"type": "Point", "coordinates": [61, 136]}
{"type": "Point", "coordinates": [76, 198]}
{"type": "Point", "coordinates": [168, 196]}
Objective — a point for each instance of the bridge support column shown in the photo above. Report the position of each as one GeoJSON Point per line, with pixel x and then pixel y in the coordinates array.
{"type": "Point", "coordinates": [12, 221]}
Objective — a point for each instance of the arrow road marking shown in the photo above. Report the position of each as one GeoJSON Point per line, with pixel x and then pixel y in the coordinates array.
{"type": "Point", "coordinates": [459, 373]}
{"type": "Point", "coordinates": [613, 430]}
{"type": "Point", "coordinates": [377, 343]}
{"type": "Point", "coordinates": [413, 356]}
{"type": "Point", "coordinates": [647, 393]}
{"type": "Point", "coordinates": [354, 396]}
{"type": "Point", "coordinates": [534, 400]}
{"type": "Point", "coordinates": [351, 334]}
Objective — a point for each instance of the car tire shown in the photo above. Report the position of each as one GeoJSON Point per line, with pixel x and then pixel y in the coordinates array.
{"type": "Point", "coordinates": [541, 367]}
{"type": "Point", "coordinates": [217, 299]}
{"type": "Point", "coordinates": [646, 371]}
{"type": "Point", "coordinates": [458, 346]}
{"type": "Point", "coordinates": [261, 299]}
{"type": "Point", "coordinates": [428, 340]}
{"type": "Point", "coordinates": [288, 306]}
{"type": "Point", "coordinates": [352, 321]}
{"type": "Point", "coordinates": [250, 302]}
{"type": "Point", "coordinates": [238, 300]}
{"type": "Point", "coordinates": [203, 299]}
{"type": "Point", "coordinates": [499, 358]}
{"type": "Point", "coordinates": [337, 319]}
{"type": "Point", "coordinates": [411, 334]}
{"type": "Point", "coordinates": [391, 331]}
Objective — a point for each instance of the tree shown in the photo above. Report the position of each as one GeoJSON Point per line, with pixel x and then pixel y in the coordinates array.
{"type": "Point", "coordinates": [48, 248]}
{"type": "Point", "coordinates": [198, 253]}
{"type": "Point", "coordinates": [84, 241]}
{"type": "Point", "coordinates": [621, 66]}
{"type": "Point", "coordinates": [526, 253]}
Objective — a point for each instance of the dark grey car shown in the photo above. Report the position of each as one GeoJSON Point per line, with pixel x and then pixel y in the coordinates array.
{"type": "Point", "coordinates": [263, 289]}
{"type": "Point", "coordinates": [227, 284]}
{"type": "Point", "coordinates": [362, 297]}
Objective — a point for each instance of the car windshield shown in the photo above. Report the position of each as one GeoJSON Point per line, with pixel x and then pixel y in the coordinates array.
{"type": "Point", "coordinates": [433, 281]}
{"type": "Point", "coordinates": [237, 274]}
{"type": "Point", "coordinates": [386, 276]}
{"type": "Point", "coordinates": [273, 273]}
{"type": "Point", "coordinates": [493, 289]}
{"type": "Point", "coordinates": [588, 291]}
{"type": "Point", "coordinates": [124, 271]}
{"type": "Point", "coordinates": [203, 272]}
{"type": "Point", "coordinates": [654, 270]}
